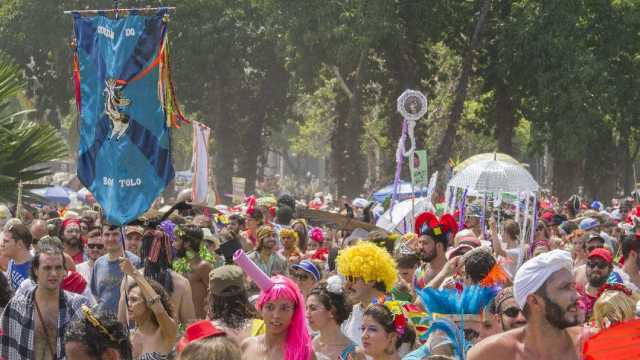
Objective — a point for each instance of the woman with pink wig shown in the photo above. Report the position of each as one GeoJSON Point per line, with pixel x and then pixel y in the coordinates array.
{"type": "Point", "coordinates": [283, 311]}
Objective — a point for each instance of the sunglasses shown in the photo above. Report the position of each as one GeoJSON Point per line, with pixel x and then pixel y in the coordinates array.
{"type": "Point", "coordinates": [512, 312]}
{"type": "Point", "coordinates": [598, 264]}
{"type": "Point", "coordinates": [352, 279]}
{"type": "Point", "coordinates": [95, 246]}
{"type": "Point", "coordinates": [301, 276]}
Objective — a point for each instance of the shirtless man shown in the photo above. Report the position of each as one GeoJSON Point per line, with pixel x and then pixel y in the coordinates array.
{"type": "Point", "coordinates": [545, 290]}
{"type": "Point", "coordinates": [187, 244]}
{"type": "Point", "coordinates": [34, 320]}
{"type": "Point", "coordinates": [156, 265]}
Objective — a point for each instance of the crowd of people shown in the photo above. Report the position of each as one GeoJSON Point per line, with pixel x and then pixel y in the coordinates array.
{"type": "Point", "coordinates": [255, 282]}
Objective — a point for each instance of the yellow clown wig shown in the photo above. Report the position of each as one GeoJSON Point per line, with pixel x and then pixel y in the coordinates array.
{"type": "Point", "coordinates": [369, 262]}
{"type": "Point", "coordinates": [614, 306]}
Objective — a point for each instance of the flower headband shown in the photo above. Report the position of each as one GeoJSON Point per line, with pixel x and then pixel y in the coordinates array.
{"type": "Point", "coordinates": [615, 287]}
{"type": "Point", "coordinates": [399, 319]}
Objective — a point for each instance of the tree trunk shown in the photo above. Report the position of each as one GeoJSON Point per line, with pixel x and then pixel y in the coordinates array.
{"type": "Point", "coordinates": [505, 117]}
{"type": "Point", "coordinates": [223, 136]}
{"type": "Point", "coordinates": [346, 155]}
{"type": "Point", "coordinates": [445, 148]}
{"type": "Point", "coordinates": [567, 176]}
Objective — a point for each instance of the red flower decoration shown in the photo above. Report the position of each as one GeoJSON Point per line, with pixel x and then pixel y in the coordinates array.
{"type": "Point", "coordinates": [400, 323]}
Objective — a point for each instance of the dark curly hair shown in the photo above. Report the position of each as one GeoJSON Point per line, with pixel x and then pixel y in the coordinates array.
{"type": "Point", "coordinates": [95, 340]}
{"type": "Point", "coordinates": [478, 263]}
{"type": "Point", "coordinates": [383, 316]}
{"type": "Point", "coordinates": [232, 307]}
{"type": "Point", "coordinates": [164, 297]}
{"type": "Point", "coordinates": [191, 234]}
{"type": "Point", "coordinates": [337, 304]}
{"type": "Point", "coordinates": [5, 291]}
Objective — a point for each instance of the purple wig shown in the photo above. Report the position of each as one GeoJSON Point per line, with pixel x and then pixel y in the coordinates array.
{"type": "Point", "coordinates": [298, 342]}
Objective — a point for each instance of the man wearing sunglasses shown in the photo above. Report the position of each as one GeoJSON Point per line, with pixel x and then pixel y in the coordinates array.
{"type": "Point", "coordinates": [592, 241]}
{"type": "Point", "coordinates": [598, 268]}
{"type": "Point", "coordinates": [95, 249]}
{"type": "Point", "coordinates": [508, 312]}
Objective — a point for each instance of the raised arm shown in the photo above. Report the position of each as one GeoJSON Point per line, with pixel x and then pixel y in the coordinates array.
{"type": "Point", "coordinates": [168, 326]}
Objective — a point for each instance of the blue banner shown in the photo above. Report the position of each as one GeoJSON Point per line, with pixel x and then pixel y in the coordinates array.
{"type": "Point", "coordinates": [124, 154]}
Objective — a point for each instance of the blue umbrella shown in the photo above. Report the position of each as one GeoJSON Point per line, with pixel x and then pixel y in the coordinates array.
{"type": "Point", "coordinates": [404, 192]}
{"type": "Point", "coordinates": [54, 194]}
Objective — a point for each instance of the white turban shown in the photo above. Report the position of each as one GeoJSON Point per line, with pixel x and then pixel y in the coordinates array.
{"type": "Point", "coordinates": [533, 273]}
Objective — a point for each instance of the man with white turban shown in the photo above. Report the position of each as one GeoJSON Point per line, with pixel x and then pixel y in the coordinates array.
{"type": "Point", "coordinates": [545, 290]}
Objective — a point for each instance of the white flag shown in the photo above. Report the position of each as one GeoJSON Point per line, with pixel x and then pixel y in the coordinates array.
{"type": "Point", "coordinates": [200, 163]}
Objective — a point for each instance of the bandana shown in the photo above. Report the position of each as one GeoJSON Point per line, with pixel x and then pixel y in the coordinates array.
{"type": "Point", "coordinates": [535, 272]}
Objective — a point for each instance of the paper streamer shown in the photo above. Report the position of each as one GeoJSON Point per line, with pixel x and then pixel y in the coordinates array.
{"type": "Point", "coordinates": [462, 209]}
{"type": "Point", "coordinates": [483, 217]}
{"type": "Point", "coordinates": [255, 273]}
{"type": "Point", "coordinates": [534, 223]}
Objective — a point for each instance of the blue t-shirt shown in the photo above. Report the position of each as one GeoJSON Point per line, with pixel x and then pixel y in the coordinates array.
{"type": "Point", "coordinates": [17, 273]}
{"type": "Point", "coordinates": [106, 279]}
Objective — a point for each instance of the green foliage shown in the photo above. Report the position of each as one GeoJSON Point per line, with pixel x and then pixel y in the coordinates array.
{"type": "Point", "coordinates": [24, 145]}
{"type": "Point", "coordinates": [317, 111]}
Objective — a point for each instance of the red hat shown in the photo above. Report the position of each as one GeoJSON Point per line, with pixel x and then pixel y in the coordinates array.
{"type": "Point", "coordinates": [74, 282]}
{"type": "Point", "coordinates": [70, 221]}
{"type": "Point", "coordinates": [602, 253]}
{"type": "Point", "coordinates": [197, 331]}
{"type": "Point", "coordinates": [547, 216]}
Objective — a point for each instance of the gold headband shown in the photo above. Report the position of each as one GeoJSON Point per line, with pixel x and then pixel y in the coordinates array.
{"type": "Point", "coordinates": [91, 318]}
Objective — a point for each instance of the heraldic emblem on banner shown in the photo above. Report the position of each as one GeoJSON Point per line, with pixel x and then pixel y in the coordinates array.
{"type": "Point", "coordinates": [126, 103]}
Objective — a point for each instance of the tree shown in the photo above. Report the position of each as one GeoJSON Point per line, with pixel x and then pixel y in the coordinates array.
{"type": "Point", "coordinates": [25, 146]}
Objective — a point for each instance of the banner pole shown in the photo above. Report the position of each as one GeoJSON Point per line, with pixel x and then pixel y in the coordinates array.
{"type": "Point", "coordinates": [95, 11]}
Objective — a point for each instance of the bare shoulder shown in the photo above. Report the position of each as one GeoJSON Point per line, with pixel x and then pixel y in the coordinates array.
{"type": "Point", "coordinates": [499, 346]}
{"type": "Point", "coordinates": [179, 281]}
{"type": "Point", "coordinates": [203, 269]}
{"type": "Point", "coordinates": [250, 343]}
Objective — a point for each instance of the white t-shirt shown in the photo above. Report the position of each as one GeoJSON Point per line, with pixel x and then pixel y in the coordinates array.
{"type": "Point", "coordinates": [85, 270]}
{"type": "Point", "coordinates": [515, 258]}
{"type": "Point", "coordinates": [352, 327]}
{"type": "Point", "coordinates": [626, 279]}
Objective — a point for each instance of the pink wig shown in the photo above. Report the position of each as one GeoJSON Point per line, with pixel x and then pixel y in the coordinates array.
{"type": "Point", "coordinates": [316, 234]}
{"type": "Point", "coordinates": [298, 342]}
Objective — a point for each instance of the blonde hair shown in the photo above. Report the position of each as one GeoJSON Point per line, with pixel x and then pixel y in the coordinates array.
{"type": "Point", "coordinates": [213, 348]}
{"type": "Point", "coordinates": [614, 306]}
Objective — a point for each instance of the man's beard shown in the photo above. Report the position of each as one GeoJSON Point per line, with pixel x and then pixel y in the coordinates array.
{"type": "Point", "coordinates": [73, 241]}
{"type": "Point", "coordinates": [182, 252]}
{"type": "Point", "coordinates": [555, 314]}
{"type": "Point", "coordinates": [597, 281]}
{"type": "Point", "coordinates": [427, 257]}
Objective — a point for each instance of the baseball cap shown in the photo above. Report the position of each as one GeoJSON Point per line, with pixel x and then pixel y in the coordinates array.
{"type": "Point", "coordinates": [588, 224]}
{"type": "Point", "coordinates": [135, 230]}
{"type": "Point", "coordinates": [458, 250]}
{"type": "Point", "coordinates": [602, 253]}
{"type": "Point", "coordinates": [224, 277]}
{"type": "Point", "coordinates": [557, 220]}
{"type": "Point", "coordinates": [595, 236]}
{"type": "Point", "coordinates": [197, 331]}
{"type": "Point", "coordinates": [467, 236]}
{"type": "Point", "coordinates": [308, 266]}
